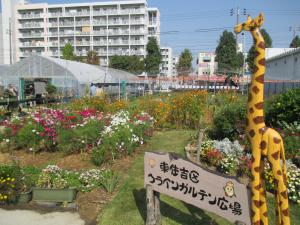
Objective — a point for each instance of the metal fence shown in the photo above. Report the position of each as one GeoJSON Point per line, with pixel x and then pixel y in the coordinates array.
{"type": "Point", "coordinates": [277, 87]}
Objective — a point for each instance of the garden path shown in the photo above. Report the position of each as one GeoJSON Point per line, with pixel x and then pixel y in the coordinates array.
{"type": "Point", "coordinates": [25, 217]}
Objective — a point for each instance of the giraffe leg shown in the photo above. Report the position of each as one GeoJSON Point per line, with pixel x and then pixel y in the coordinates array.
{"type": "Point", "coordinates": [282, 195]}
{"type": "Point", "coordinates": [263, 198]}
{"type": "Point", "coordinates": [255, 188]}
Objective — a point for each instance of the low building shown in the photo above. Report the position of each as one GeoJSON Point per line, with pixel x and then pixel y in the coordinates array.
{"type": "Point", "coordinates": [206, 63]}
{"type": "Point", "coordinates": [285, 66]}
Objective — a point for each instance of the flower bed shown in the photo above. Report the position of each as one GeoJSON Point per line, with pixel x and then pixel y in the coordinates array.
{"type": "Point", "coordinates": [229, 158]}
{"type": "Point", "coordinates": [107, 136]}
{"type": "Point", "coordinates": [54, 180]}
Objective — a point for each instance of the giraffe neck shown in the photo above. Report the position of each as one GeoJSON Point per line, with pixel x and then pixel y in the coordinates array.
{"type": "Point", "coordinates": [256, 91]}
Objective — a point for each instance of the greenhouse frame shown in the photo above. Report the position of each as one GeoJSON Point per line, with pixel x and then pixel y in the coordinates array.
{"type": "Point", "coordinates": [71, 78]}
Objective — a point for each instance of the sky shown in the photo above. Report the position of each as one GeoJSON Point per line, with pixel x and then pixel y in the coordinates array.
{"type": "Point", "coordinates": [197, 24]}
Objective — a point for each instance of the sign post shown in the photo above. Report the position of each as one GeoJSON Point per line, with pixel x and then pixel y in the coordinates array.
{"type": "Point", "coordinates": [186, 181]}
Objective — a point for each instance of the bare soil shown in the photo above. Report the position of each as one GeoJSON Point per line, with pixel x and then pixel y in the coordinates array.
{"type": "Point", "coordinates": [89, 205]}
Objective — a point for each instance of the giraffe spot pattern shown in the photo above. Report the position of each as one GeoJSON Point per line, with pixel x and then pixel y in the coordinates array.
{"type": "Point", "coordinates": [258, 119]}
{"type": "Point", "coordinates": [265, 214]}
{"type": "Point", "coordinates": [259, 105]}
{"type": "Point", "coordinates": [258, 204]}
{"type": "Point", "coordinates": [255, 89]}
{"type": "Point", "coordinates": [263, 130]}
{"type": "Point", "coordinates": [276, 140]}
{"type": "Point", "coordinates": [284, 194]}
{"type": "Point", "coordinates": [285, 212]}
{"type": "Point", "coordinates": [284, 180]}
{"type": "Point", "coordinates": [261, 45]}
{"type": "Point", "coordinates": [251, 110]}
{"type": "Point", "coordinates": [258, 187]}
{"type": "Point", "coordinates": [252, 133]}
{"type": "Point", "coordinates": [275, 155]}
{"type": "Point", "coordinates": [262, 62]}
{"type": "Point", "coordinates": [263, 145]}
{"type": "Point", "coordinates": [260, 79]}
{"type": "Point", "coordinates": [279, 172]}
{"type": "Point", "coordinates": [256, 169]}
{"type": "Point", "coordinates": [255, 69]}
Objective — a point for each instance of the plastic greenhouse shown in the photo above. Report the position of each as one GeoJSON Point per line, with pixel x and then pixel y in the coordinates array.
{"type": "Point", "coordinates": [71, 78]}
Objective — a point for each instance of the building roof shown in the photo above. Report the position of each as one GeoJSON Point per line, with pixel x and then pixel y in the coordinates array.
{"type": "Point", "coordinates": [48, 67]}
{"type": "Point", "coordinates": [288, 53]}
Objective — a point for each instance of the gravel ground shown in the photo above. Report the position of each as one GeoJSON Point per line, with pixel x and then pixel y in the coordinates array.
{"type": "Point", "coordinates": [26, 217]}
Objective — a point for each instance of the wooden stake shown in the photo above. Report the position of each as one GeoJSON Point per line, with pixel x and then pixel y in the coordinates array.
{"type": "Point", "coordinates": [153, 207]}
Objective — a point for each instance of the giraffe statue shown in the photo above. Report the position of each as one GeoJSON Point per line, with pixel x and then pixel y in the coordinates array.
{"type": "Point", "coordinates": [265, 142]}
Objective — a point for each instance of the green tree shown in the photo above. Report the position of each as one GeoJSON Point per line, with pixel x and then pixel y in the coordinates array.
{"type": "Point", "coordinates": [295, 42]}
{"type": "Point", "coordinates": [251, 53]}
{"type": "Point", "coordinates": [184, 66]}
{"type": "Point", "coordinates": [229, 60]}
{"type": "Point", "coordinates": [132, 64]}
{"type": "Point", "coordinates": [68, 52]}
{"type": "Point", "coordinates": [153, 58]}
{"type": "Point", "coordinates": [93, 58]}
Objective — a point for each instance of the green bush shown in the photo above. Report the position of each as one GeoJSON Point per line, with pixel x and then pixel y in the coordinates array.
{"type": "Point", "coordinates": [283, 107]}
{"type": "Point", "coordinates": [98, 156]}
{"type": "Point", "coordinates": [29, 132]}
{"type": "Point", "coordinates": [109, 180]}
{"type": "Point", "coordinates": [229, 121]}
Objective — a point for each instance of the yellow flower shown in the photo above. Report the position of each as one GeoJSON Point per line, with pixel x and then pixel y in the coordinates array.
{"type": "Point", "coordinates": [5, 197]}
{"type": "Point", "coordinates": [13, 179]}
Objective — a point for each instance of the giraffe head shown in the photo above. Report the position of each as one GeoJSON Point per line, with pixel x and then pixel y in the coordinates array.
{"type": "Point", "coordinates": [250, 24]}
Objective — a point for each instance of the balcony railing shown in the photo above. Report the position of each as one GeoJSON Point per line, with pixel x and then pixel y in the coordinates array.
{"type": "Point", "coordinates": [31, 35]}
{"type": "Point", "coordinates": [135, 42]}
{"type": "Point", "coordinates": [32, 44]}
{"type": "Point", "coordinates": [83, 43]}
{"type": "Point", "coordinates": [105, 12]}
{"type": "Point", "coordinates": [77, 13]}
{"type": "Point", "coordinates": [99, 22]}
{"type": "Point", "coordinates": [82, 23]}
{"type": "Point", "coordinates": [137, 21]}
{"type": "Point", "coordinates": [132, 11]}
{"type": "Point", "coordinates": [55, 14]}
{"type": "Point", "coordinates": [31, 15]}
{"type": "Point", "coordinates": [66, 24]}
{"type": "Point", "coordinates": [140, 32]}
{"type": "Point", "coordinates": [31, 25]}
{"type": "Point", "coordinates": [100, 32]}
{"type": "Point", "coordinates": [100, 43]}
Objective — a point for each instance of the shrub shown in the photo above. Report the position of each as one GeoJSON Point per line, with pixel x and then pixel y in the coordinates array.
{"type": "Point", "coordinates": [9, 183]}
{"type": "Point", "coordinates": [283, 107]}
{"type": "Point", "coordinates": [98, 155]}
{"type": "Point", "coordinates": [228, 121]}
{"type": "Point", "coordinates": [30, 132]}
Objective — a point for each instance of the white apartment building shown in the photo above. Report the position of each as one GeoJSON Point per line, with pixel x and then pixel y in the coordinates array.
{"type": "Point", "coordinates": [6, 30]}
{"type": "Point", "coordinates": [109, 28]}
{"type": "Point", "coordinates": [206, 63]}
{"type": "Point", "coordinates": [167, 61]}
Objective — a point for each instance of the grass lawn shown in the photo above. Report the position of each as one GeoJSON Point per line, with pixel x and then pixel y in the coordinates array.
{"type": "Point", "coordinates": [129, 206]}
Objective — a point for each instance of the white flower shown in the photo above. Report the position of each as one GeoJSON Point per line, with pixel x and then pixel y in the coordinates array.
{"type": "Point", "coordinates": [33, 131]}
{"type": "Point", "coordinates": [82, 141]}
{"type": "Point", "coordinates": [7, 140]}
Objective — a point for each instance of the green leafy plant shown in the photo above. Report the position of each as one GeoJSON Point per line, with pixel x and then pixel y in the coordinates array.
{"type": "Point", "coordinates": [229, 121]}
{"type": "Point", "coordinates": [109, 180]}
{"type": "Point", "coordinates": [283, 107]}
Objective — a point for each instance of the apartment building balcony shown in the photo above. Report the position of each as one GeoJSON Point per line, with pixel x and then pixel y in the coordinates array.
{"type": "Point", "coordinates": [32, 44]}
{"type": "Point", "coordinates": [55, 14]}
{"type": "Point", "coordinates": [118, 22]}
{"type": "Point", "coordinates": [80, 33]}
{"type": "Point", "coordinates": [77, 13]}
{"type": "Point", "coordinates": [81, 53]}
{"type": "Point", "coordinates": [31, 25]}
{"type": "Point", "coordinates": [83, 43]}
{"type": "Point", "coordinates": [53, 44]}
{"type": "Point", "coordinates": [105, 12]}
{"type": "Point", "coordinates": [132, 11]}
{"type": "Point", "coordinates": [137, 42]}
{"type": "Point", "coordinates": [66, 24]}
{"type": "Point", "coordinates": [100, 43]}
{"type": "Point", "coordinates": [99, 23]}
{"type": "Point", "coordinates": [83, 23]}
{"type": "Point", "coordinates": [62, 44]}
{"type": "Point", "coordinates": [31, 35]}
{"type": "Point", "coordinates": [29, 53]}
{"type": "Point", "coordinates": [30, 15]}
{"type": "Point", "coordinates": [137, 32]}
{"type": "Point", "coordinates": [53, 34]}
{"type": "Point", "coordinates": [99, 33]}
{"type": "Point", "coordinates": [137, 22]}
{"type": "Point", "coordinates": [118, 32]}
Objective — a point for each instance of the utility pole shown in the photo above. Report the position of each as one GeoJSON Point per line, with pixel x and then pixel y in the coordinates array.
{"type": "Point", "coordinates": [9, 32]}
{"type": "Point", "coordinates": [294, 29]}
{"type": "Point", "coordinates": [237, 12]}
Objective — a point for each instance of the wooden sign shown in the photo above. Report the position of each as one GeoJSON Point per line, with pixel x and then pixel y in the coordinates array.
{"type": "Point", "coordinates": [184, 180]}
